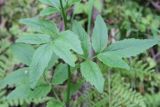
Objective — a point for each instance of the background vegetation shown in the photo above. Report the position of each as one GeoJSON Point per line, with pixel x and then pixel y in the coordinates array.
{"type": "Point", "coordinates": [138, 87]}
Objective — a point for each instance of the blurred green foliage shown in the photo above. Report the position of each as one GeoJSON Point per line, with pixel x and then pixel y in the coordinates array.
{"type": "Point", "coordinates": [133, 18]}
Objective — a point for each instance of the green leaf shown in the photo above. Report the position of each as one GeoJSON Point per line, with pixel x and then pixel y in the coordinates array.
{"type": "Point", "coordinates": [83, 36]}
{"type": "Point", "coordinates": [55, 103]}
{"type": "Point", "coordinates": [48, 11]}
{"type": "Point", "coordinates": [100, 35]}
{"type": "Point", "coordinates": [19, 92]}
{"type": "Point", "coordinates": [62, 51]}
{"type": "Point", "coordinates": [4, 105]}
{"type": "Point", "coordinates": [92, 73]}
{"type": "Point", "coordinates": [42, 26]}
{"type": "Point", "coordinates": [57, 2]}
{"type": "Point", "coordinates": [53, 61]}
{"type": "Point", "coordinates": [24, 92]}
{"type": "Point", "coordinates": [71, 2]}
{"type": "Point", "coordinates": [66, 41]}
{"type": "Point", "coordinates": [40, 91]}
{"type": "Point", "coordinates": [16, 78]}
{"type": "Point", "coordinates": [40, 62]}
{"type": "Point", "coordinates": [54, 3]}
{"type": "Point", "coordinates": [71, 39]}
{"type": "Point", "coordinates": [23, 52]}
{"type": "Point", "coordinates": [34, 38]}
{"type": "Point", "coordinates": [112, 60]}
{"type": "Point", "coordinates": [61, 74]}
{"type": "Point", "coordinates": [130, 47]}
{"type": "Point", "coordinates": [46, 1]}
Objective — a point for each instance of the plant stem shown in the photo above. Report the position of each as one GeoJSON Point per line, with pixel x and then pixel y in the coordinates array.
{"type": "Point", "coordinates": [63, 14]}
{"type": "Point", "coordinates": [109, 87]}
{"type": "Point", "coordinates": [69, 69]}
{"type": "Point", "coordinates": [90, 16]}
{"type": "Point", "coordinates": [68, 87]}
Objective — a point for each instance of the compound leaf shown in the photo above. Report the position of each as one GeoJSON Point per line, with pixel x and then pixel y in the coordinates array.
{"type": "Point", "coordinates": [61, 74]}
{"type": "Point", "coordinates": [112, 60]}
{"type": "Point", "coordinates": [48, 11]}
{"type": "Point", "coordinates": [100, 35]}
{"type": "Point", "coordinates": [84, 38]}
{"type": "Point", "coordinates": [55, 103]}
{"type": "Point", "coordinates": [62, 51]}
{"type": "Point", "coordinates": [42, 26]}
{"type": "Point", "coordinates": [23, 52]}
{"type": "Point", "coordinates": [71, 39]}
{"type": "Point", "coordinates": [131, 47]}
{"type": "Point", "coordinates": [92, 73]}
{"type": "Point", "coordinates": [15, 78]}
{"type": "Point", "coordinates": [40, 62]}
{"type": "Point", "coordinates": [34, 38]}
{"type": "Point", "coordinates": [66, 41]}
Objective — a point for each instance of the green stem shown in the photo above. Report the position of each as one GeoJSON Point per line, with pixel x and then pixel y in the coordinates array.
{"type": "Point", "coordinates": [109, 87]}
{"type": "Point", "coordinates": [68, 87]}
{"type": "Point", "coordinates": [90, 16]}
{"type": "Point", "coordinates": [63, 14]}
{"type": "Point", "coordinates": [50, 84]}
{"type": "Point", "coordinates": [69, 69]}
